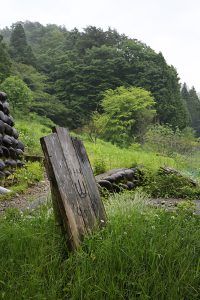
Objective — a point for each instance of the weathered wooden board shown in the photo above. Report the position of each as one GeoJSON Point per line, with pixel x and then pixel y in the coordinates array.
{"type": "Point", "coordinates": [75, 195]}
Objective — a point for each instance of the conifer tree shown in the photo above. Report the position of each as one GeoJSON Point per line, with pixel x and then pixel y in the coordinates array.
{"type": "Point", "coordinates": [194, 109]}
{"type": "Point", "coordinates": [192, 102]}
{"type": "Point", "coordinates": [5, 62]}
{"type": "Point", "coordinates": [20, 51]}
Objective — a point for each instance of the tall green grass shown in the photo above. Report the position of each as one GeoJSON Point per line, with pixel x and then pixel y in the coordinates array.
{"type": "Point", "coordinates": [105, 153]}
{"type": "Point", "coordinates": [31, 256]}
{"type": "Point", "coordinates": [31, 130]}
{"type": "Point", "coordinates": [142, 253]}
{"type": "Point", "coordinates": [115, 157]}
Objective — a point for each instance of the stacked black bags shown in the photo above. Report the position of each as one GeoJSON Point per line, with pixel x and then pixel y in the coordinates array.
{"type": "Point", "coordinates": [11, 149]}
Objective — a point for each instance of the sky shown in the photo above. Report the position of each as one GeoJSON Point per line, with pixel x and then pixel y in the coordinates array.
{"type": "Point", "coordinates": [169, 26]}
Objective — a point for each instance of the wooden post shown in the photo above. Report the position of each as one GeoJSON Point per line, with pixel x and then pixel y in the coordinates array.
{"type": "Point", "coordinates": [76, 200]}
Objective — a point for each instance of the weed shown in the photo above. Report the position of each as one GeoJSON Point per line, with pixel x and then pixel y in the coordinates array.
{"type": "Point", "coordinates": [142, 253]}
{"type": "Point", "coordinates": [23, 178]}
{"type": "Point", "coordinates": [31, 173]}
{"type": "Point", "coordinates": [31, 131]}
{"type": "Point", "coordinates": [99, 166]}
{"type": "Point", "coordinates": [170, 185]}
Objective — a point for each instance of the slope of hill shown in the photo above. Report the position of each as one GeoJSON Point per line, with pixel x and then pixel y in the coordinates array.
{"type": "Point", "coordinates": [69, 71]}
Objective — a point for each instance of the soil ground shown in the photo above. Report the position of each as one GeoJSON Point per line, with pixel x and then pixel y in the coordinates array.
{"type": "Point", "coordinates": [32, 197]}
{"type": "Point", "coordinates": [38, 194]}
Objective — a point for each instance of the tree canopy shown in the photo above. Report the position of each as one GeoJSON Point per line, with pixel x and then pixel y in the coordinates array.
{"type": "Point", "coordinates": [79, 66]}
{"type": "Point", "coordinates": [20, 51]}
{"type": "Point", "coordinates": [127, 114]}
{"type": "Point", "coordinates": [192, 103]}
{"type": "Point", "coordinates": [5, 62]}
{"type": "Point", "coordinates": [20, 96]}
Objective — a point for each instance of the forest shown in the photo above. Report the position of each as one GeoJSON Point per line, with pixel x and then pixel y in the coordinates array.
{"type": "Point", "coordinates": [65, 75]}
{"type": "Point", "coordinates": [130, 110]}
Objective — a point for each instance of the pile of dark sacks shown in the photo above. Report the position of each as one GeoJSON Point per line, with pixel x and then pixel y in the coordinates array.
{"type": "Point", "coordinates": [11, 149]}
{"type": "Point", "coordinates": [118, 180]}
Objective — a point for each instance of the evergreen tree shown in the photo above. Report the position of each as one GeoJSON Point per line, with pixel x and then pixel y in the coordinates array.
{"type": "Point", "coordinates": [194, 109]}
{"type": "Point", "coordinates": [193, 105]}
{"type": "Point", "coordinates": [5, 63]}
{"type": "Point", "coordinates": [20, 51]}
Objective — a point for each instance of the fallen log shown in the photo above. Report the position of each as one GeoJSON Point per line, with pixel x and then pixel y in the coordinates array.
{"type": "Point", "coordinates": [118, 179]}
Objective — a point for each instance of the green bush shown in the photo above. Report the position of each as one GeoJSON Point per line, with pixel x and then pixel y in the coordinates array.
{"type": "Point", "coordinates": [170, 185]}
{"type": "Point", "coordinates": [163, 139]}
{"type": "Point", "coordinates": [32, 173]}
{"type": "Point", "coordinates": [99, 166]}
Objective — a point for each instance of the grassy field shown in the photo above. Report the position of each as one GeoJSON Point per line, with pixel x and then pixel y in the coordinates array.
{"type": "Point", "coordinates": [105, 155]}
{"type": "Point", "coordinates": [143, 253]}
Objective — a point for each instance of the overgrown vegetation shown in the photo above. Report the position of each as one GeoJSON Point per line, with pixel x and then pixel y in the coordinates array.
{"type": "Point", "coordinates": [142, 253]}
{"type": "Point", "coordinates": [134, 114]}
{"type": "Point", "coordinates": [18, 182]}
{"type": "Point", "coordinates": [127, 114]}
{"type": "Point", "coordinates": [32, 130]}
{"type": "Point", "coordinates": [71, 70]}
{"type": "Point", "coordinates": [157, 184]}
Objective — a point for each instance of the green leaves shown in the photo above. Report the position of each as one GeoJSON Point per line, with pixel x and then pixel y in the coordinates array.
{"type": "Point", "coordinates": [192, 103]}
{"type": "Point", "coordinates": [129, 111]}
{"type": "Point", "coordinates": [5, 62]}
{"type": "Point", "coordinates": [20, 96]}
{"type": "Point", "coordinates": [19, 49]}
{"type": "Point", "coordinates": [81, 66]}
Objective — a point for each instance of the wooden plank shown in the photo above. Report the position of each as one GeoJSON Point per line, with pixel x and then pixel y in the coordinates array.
{"type": "Point", "coordinates": [76, 199]}
{"type": "Point", "coordinates": [62, 189]}
{"type": "Point", "coordinates": [88, 174]}
{"type": "Point", "coordinates": [78, 180]}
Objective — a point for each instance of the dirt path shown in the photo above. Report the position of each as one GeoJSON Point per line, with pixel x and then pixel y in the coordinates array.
{"type": "Point", "coordinates": [38, 194]}
{"type": "Point", "coordinates": [171, 203]}
{"type": "Point", "coordinates": [31, 198]}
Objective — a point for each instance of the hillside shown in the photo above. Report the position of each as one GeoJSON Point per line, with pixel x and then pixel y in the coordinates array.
{"type": "Point", "coordinates": [68, 72]}
{"type": "Point", "coordinates": [129, 258]}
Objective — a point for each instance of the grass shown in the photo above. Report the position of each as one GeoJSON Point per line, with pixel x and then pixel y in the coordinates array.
{"type": "Point", "coordinates": [31, 131]}
{"type": "Point", "coordinates": [105, 154]}
{"type": "Point", "coordinates": [143, 253]}
{"type": "Point", "coordinates": [110, 156]}
{"type": "Point", "coordinates": [31, 252]}
{"type": "Point", "coordinates": [115, 157]}
{"type": "Point", "coordinates": [18, 182]}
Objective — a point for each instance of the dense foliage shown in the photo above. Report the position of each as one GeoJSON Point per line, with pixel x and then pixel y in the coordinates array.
{"type": "Point", "coordinates": [20, 96]}
{"type": "Point", "coordinates": [120, 85]}
{"type": "Point", "coordinates": [127, 113]}
{"type": "Point", "coordinates": [5, 62]}
{"type": "Point", "coordinates": [69, 71]}
{"type": "Point", "coordinates": [192, 103]}
{"type": "Point", "coordinates": [20, 51]}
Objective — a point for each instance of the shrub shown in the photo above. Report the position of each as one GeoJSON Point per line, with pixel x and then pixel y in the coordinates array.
{"type": "Point", "coordinates": [99, 166]}
{"type": "Point", "coordinates": [170, 185]}
{"type": "Point", "coordinates": [163, 139]}
{"type": "Point", "coordinates": [31, 173]}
